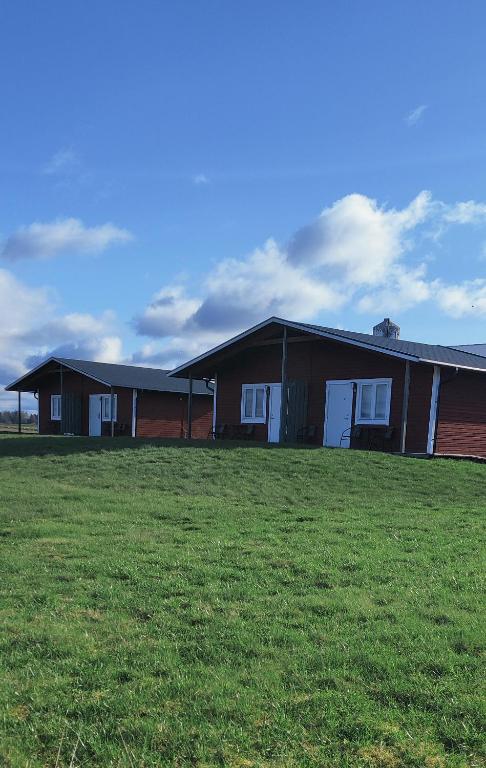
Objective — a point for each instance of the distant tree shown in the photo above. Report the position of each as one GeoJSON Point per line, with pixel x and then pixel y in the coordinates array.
{"type": "Point", "coordinates": [12, 417]}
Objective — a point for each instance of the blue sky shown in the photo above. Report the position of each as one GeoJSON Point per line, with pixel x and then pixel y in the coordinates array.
{"type": "Point", "coordinates": [171, 173]}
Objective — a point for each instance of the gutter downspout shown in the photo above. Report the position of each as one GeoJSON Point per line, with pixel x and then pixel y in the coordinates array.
{"type": "Point", "coordinates": [434, 400]}
{"type": "Point", "coordinates": [36, 395]}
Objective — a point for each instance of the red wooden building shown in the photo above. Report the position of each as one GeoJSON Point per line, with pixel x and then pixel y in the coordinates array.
{"type": "Point", "coordinates": [284, 381]}
{"type": "Point", "coordinates": [82, 397]}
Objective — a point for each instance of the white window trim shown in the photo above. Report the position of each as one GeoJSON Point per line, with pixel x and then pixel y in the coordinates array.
{"type": "Point", "coordinates": [254, 419]}
{"type": "Point", "coordinates": [373, 422]}
{"type": "Point", "coordinates": [55, 399]}
{"type": "Point", "coordinates": [115, 407]}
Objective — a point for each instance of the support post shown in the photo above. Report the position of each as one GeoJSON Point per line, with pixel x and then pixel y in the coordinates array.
{"type": "Point", "coordinates": [189, 409]}
{"type": "Point", "coordinates": [134, 413]}
{"type": "Point", "coordinates": [283, 405]}
{"type": "Point", "coordinates": [406, 393]}
{"type": "Point", "coordinates": [62, 383]}
{"type": "Point", "coordinates": [20, 412]}
{"type": "Point", "coordinates": [434, 399]}
{"type": "Point", "coordinates": [215, 402]}
{"type": "Point", "coordinates": [112, 412]}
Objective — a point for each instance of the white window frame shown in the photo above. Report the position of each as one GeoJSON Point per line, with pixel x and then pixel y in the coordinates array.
{"type": "Point", "coordinates": [56, 407]}
{"type": "Point", "coordinates": [107, 398]}
{"type": "Point", "coordinates": [372, 421]}
{"type": "Point", "coordinates": [254, 419]}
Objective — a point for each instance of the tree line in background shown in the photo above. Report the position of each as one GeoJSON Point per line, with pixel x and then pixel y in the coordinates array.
{"type": "Point", "coordinates": [12, 417]}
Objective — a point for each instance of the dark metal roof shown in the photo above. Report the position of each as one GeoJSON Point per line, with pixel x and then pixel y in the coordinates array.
{"type": "Point", "coordinates": [408, 350]}
{"type": "Point", "coordinates": [430, 353]}
{"type": "Point", "coordinates": [131, 376]}
{"type": "Point", "coordinates": [476, 349]}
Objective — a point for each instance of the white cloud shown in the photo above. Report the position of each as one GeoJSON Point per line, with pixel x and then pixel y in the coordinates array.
{"type": "Point", "coordinates": [174, 350]}
{"type": "Point", "coordinates": [353, 244]}
{"type": "Point", "coordinates": [57, 330]}
{"type": "Point", "coordinates": [65, 236]}
{"type": "Point", "coordinates": [167, 313]}
{"type": "Point", "coordinates": [63, 162]}
{"type": "Point", "coordinates": [466, 298]}
{"type": "Point", "coordinates": [357, 239]}
{"type": "Point", "coordinates": [200, 179]}
{"type": "Point", "coordinates": [20, 308]}
{"type": "Point", "coordinates": [33, 329]}
{"type": "Point", "coordinates": [240, 292]}
{"type": "Point", "coordinates": [356, 254]}
{"type": "Point", "coordinates": [468, 212]}
{"type": "Point", "coordinates": [415, 115]}
{"type": "Point", "coordinates": [103, 349]}
{"type": "Point", "coordinates": [406, 289]}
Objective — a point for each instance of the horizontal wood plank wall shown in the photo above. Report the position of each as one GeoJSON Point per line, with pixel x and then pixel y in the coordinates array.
{"type": "Point", "coordinates": [164, 414]}
{"type": "Point", "coordinates": [251, 366]}
{"type": "Point", "coordinates": [419, 407]}
{"type": "Point", "coordinates": [123, 425]}
{"type": "Point", "coordinates": [314, 362]}
{"type": "Point", "coordinates": [461, 423]}
{"type": "Point", "coordinates": [72, 382]}
{"type": "Point", "coordinates": [83, 387]}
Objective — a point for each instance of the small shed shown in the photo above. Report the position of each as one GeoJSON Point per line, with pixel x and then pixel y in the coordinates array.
{"type": "Point", "coordinates": [85, 397]}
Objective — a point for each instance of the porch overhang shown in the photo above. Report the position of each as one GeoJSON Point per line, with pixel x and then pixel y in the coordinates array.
{"type": "Point", "coordinates": [30, 381]}
{"type": "Point", "coordinates": [267, 332]}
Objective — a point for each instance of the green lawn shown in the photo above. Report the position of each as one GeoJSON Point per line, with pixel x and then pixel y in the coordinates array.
{"type": "Point", "coordinates": [178, 605]}
{"type": "Point", "coordinates": [26, 428]}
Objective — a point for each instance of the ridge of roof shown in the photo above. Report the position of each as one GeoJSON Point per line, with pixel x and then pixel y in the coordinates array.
{"type": "Point", "coordinates": [435, 354]}
{"type": "Point", "coordinates": [113, 365]}
{"type": "Point", "coordinates": [122, 375]}
{"type": "Point", "coordinates": [414, 348]}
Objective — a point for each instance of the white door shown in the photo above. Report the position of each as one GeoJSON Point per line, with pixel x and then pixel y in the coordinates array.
{"type": "Point", "coordinates": [274, 413]}
{"type": "Point", "coordinates": [95, 415]}
{"type": "Point", "coordinates": [338, 414]}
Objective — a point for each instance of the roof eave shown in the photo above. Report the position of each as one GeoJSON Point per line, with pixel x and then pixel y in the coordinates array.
{"type": "Point", "coordinates": [290, 324]}
{"type": "Point", "coordinates": [452, 365]}
{"type": "Point", "coordinates": [234, 339]}
{"type": "Point", "coordinates": [12, 387]}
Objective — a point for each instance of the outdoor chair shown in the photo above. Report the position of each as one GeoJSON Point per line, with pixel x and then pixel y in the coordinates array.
{"type": "Point", "coordinates": [380, 439]}
{"type": "Point", "coordinates": [219, 432]}
{"type": "Point", "coordinates": [246, 432]}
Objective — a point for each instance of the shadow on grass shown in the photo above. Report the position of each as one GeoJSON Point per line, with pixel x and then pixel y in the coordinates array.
{"type": "Point", "coordinates": [50, 445]}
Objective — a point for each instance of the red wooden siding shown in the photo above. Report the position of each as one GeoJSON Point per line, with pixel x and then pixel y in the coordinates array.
{"type": "Point", "coordinates": [461, 423]}
{"type": "Point", "coordinates": [419, 407]}
{"type": "Point", "coordinates": [164, 414]}
{"type": "Point", "coordinates": [159, 414]}
{"type": "Point", "coordinates": [82, 386]}
{"type": "Point", "coordinates": [314, 362]}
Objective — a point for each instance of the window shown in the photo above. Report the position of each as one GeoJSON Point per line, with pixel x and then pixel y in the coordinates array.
{"type": "Point", "coordinates": [106, 407]}
{"type": "Point", "coordinates": [253, 404]}
{"type": "Point", "coordinates": [55, 407]}
{"type": "Point", "coordinates": [373, 401]}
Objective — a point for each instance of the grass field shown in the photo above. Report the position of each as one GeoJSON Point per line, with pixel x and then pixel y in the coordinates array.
{"type": "Point", "coordinates": [26, 428]}
{"type": "Point", "coordinates": [238, 606]}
